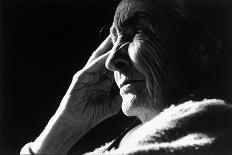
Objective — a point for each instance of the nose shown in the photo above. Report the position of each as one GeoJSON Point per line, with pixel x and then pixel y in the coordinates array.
{"type": "Point", "coordinates": [118, 59]}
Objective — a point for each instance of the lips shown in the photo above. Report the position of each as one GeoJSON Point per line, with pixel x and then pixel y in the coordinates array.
{"type": "Point", "coordinates": [130, 77]}
{"type": "Point", "coordinates": [128, 81]}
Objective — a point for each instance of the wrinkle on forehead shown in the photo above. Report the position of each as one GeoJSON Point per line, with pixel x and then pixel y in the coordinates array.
{"type": "Point", "coordinates": [128, 8]}
{"type": "Point", "coordinates": [168, 13]}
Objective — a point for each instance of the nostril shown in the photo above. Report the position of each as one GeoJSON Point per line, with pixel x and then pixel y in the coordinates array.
{"type": "Point", "coordinates": [120, 64]}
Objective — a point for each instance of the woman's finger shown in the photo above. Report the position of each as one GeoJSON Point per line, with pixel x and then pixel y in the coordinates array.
{"type": "Point", "coordinates": [105, 46]}
{"type": "Point", "coordinates": [98, 64]}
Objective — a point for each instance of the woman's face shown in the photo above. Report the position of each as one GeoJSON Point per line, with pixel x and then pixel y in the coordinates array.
{"type": "Point", "coordinates": [138, 59]}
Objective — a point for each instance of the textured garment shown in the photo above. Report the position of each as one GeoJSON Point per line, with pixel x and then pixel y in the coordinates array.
{"type": "Point", "coordinates": [190, 128]}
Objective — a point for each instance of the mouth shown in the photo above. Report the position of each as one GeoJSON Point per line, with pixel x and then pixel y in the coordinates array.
{"type": "Point", "coordinates": [130, 82]}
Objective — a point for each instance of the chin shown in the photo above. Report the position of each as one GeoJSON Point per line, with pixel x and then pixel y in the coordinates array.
{"type": "Point", "coordinates": [129, 104]}
{"type": "Point", "coordinates": [132, 98]}
{"type": "Point", "coordinates": [136, 101]}
{"type": "Point", "coordinates": [134, 104]}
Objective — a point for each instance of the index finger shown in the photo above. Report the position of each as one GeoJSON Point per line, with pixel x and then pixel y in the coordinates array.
{"type": "Point", "coordinates": [104, 47]}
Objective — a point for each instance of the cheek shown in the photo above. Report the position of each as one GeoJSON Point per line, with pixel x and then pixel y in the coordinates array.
{"type": "Point", "coordinates": [147, 60]}
{"type": "Point", "coordinates": [134, 52]}
{"type": "Point", "coordinates": [137, 55]}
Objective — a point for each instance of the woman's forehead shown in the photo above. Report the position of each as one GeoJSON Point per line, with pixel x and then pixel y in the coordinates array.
{"type": "Point", "coordinates": [127, 9]}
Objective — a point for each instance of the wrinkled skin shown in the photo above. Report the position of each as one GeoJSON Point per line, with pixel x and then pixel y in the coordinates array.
{"type": "Point", "coordinates": [139, 55]}
{"type": "Point", "coordinates": [86, 103]}
{"type": "Point", "coordinates": [88, 99]}
{"type": "Point", "coordinates": [135, 52]}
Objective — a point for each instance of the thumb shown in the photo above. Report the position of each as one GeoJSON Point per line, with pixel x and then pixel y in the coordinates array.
{"type": "Point", "coordinates": [98, 64]}
{"type": "Point", "coordinates": [105, 46]}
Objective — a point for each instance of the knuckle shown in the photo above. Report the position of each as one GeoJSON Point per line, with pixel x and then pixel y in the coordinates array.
{"type": "Point", "coordinates": [77, 75]}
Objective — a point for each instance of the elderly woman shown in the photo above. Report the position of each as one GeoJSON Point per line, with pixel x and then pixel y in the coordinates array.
{"type": "Point", "coordinates": [170, 60]}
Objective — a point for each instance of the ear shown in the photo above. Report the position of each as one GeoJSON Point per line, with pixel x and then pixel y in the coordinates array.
{"type": "Point", "coordinates": [208, 51]}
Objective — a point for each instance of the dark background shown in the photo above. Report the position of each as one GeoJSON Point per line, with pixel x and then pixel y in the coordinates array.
{"type": "Point", "coordinates": [44, 42]}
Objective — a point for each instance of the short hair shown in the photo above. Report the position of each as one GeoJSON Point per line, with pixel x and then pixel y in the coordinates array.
{"type": "Point", "coordinates": [190, 21]}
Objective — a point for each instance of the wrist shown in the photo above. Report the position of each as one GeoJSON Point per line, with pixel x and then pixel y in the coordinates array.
{"type": "Point", "coordinates": [58, 136]}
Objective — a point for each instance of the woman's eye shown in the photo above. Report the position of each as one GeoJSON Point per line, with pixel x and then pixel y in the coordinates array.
{"type": "Point", "coordinates": [130, 33]}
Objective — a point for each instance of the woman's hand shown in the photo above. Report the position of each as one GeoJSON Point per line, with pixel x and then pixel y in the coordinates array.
{"type": "Point", "coordinates": [86, 103]}
{"type": "Point", "coordinates": [88, 99]}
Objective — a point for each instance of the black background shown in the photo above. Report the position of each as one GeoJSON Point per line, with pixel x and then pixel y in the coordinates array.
{"type": "Point", "coordinates": [44, 42]}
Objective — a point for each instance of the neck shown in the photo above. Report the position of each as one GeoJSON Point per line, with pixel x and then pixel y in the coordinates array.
{"type": "Point", "coordinates": [146, 115]}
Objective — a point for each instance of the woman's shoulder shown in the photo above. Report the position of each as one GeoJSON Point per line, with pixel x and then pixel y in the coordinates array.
{"type": "Point", "coordinates": [188, 127]}
{"type": "Point", "coordinates": [202, 127]}
{"type": "Point", "coordinates": [209, 115]}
